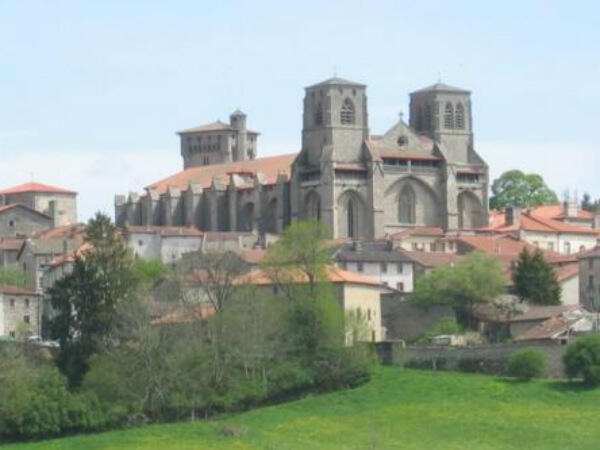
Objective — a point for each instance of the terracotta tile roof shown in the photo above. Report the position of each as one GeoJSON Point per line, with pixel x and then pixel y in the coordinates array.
{"type": "Point", "coordinates": [11, 243]}
{"type": "Point", "coordinates": [70, 257]}
{"type": "Point", "coordinates": [36, 187]}
{"type": "Point", "coordinates": [549, 329]}
{"type": "Point", "coordinates": [496, 244]}
{"type": "Point", "coordinates": [251, 256]}
{"type": "Point", "coordinates": [270, 166]}
{"type": "Point", "coordinates": [567, 271]}
{"type": "Point", "coordinates": [532, 222]}
{"type": "Point", "coordinates": [66, 231]}
{"type": "Point", "coordinates": [419, 231]}
{"type": "Point", "coordinates": [432, 259]}
{"type": "Point", "coordinates": [163, 230]}
{"type": "Point", "coordinates": [557, 211]}
{"type": "Point", "coordinates": [14, 290]}
{"type": "Point", "coordinates": [334, 275]}
{"type": "Point", "coordinates": [19, 205]}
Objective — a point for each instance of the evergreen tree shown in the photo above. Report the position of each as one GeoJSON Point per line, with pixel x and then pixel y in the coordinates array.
{"type": "Point", "coordinates": [86, 299]}
{"type": "Point", "coordinates": [534, 279]}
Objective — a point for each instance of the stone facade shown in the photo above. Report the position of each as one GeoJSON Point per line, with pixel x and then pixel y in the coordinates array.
{"type": "Point", "coordinates": [356, 184]}
{"type": "Point", "coordinates": [20, 310]}
{"type": "Point", "coordinates": [18, 220]}
{"type": "Point", "coordinates": [589, 280]}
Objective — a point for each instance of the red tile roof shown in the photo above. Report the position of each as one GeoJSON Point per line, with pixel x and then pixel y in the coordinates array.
{"type": "Point", "coordinates": [14, 290]}
{"type": "Point", "coordinates": [432, 259]}
{"type": "Point", "coordinates": [36, 187]}
{"type": "Point", "coordinates": [65, 231]}
{"type": "Point", "coordinates": [270, 166]}
{"type": "Point", "coordinates": [557, 211]}
{"type": "Point", "coordinates": [11, 243]}
{"type": "Point", "coordinates": [334, 275]}
{"type": "Point", "coordinates": [419, 231]}
{"type": "Point", "coordinates": [251, 256]}
{"type": "Point", "coordinates": [548, 329]}
{"type": "Point", "coordinates": [496, 244]}
{"type": "Point", "coordinates": [531, 222]}
{"type": "Point", "coordinates": [567, 271]}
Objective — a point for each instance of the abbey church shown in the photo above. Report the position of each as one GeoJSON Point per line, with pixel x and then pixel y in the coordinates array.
{"type": "Point", "coordinates": [422, 173]}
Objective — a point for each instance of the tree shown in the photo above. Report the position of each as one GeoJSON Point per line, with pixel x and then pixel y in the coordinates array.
{"type": "Point", "coordinates": [12, 276]}
{"type": "Point", "coordinates": [477, 278]}
{"type": "Point", "coordinates": [515, 188]}
{"type": "Point", "coordinates": [526, 363]}
{"type": "Point", "coordinates": [534, 279]}
{"type": "Point", "coordinates": [582, 358]}
{"type": "Point", "coordinates": [587, 204]}
{"type": "Point", "coordinates": [86, 299]}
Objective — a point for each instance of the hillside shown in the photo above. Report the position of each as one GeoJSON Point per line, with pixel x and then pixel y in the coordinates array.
{"type": "Point", "coordinates": [397, 409]}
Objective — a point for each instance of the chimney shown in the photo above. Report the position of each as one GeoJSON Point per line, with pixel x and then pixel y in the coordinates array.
{"type": "Point", "coordinates": [512, 215]}
{"type": "Point", "coordinates": [571, 207]}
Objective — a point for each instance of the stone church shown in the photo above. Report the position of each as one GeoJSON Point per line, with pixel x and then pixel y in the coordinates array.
{"type": "Point", "coordinates": [422, 173]}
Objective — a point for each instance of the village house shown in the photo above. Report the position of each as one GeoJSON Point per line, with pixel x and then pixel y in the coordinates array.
{"type": "Point", "coordinates": [20, 220]}
{"type": "Point", "coordinates": [357, 294]}
{"type": "Point", "coordinates": [20, 312]}
{"type": "Point", "coordinates": [589, 279]}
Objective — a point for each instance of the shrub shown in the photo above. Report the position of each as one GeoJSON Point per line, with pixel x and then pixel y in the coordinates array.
{"type": "Point", "coordinates": [526, 364]}
{"type": "Point", "coordinates": [582, 359]}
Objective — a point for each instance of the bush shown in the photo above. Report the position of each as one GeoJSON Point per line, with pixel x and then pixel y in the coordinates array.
{"type": "Point", "coordinates": [526, 364]}
{"type": "Point", "coordinates": [582, 359]}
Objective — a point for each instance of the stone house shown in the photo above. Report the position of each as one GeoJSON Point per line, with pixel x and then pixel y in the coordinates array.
{"type": "Point", "coordinates": [167, 244]}
{"type": "Point", "coordinates": [20, 220]}
{"type": "Point", "coordinates": [357, 294]}
{"type": "Point", "coordinates": [20, 310]}
{"type": "Point", "coordinates": [57, 203]}
{"type": "Point", "coordinates": [9, 249]}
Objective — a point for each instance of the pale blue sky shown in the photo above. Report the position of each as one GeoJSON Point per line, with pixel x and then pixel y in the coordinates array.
{"type": "Point", "coordinates": [92, 92]}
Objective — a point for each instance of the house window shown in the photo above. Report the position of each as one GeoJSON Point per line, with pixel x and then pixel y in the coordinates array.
{"type": "Point", "coordinates": [432, 247]}
{"type": "Point", "coordinates": [12, 334]}
{"type": "Point", "coordinates": [383, 267]}
{"type": "Point", "coordinates": [415, 246]}
{"type": "Point", "coordinates": [140, 243]}
{"type": "Point", "coordinates": [590, 263]}
{"type": "Point", "coordinates": [400, 286]}
{"type": "Point", "coordinates": [567, 248]}
{"type": "Point", "coordinates": [26, 303]}
{"type": "Point", "coordinates": [347, 112]}
{"type": "Point", "coordinates": [26, 319]}
{"type": "Point", "coordinates": [590, 281]}
{"type": "Point", "coordinates": [11, 223]}
{"type": "Point", "coordinates": [581, 248]}
{"type": "Point", "coordinates": [449, 116]}
{"type": "Point", "coordinates": [399, 268]}
{"type": "Point", "coordinates": [359, 266]}
{"type": "Point", "coordinates": [369, 314]}
{"type": "Point", "coordinates": [551, 246]}
{"type": "Point", "coordinates": [275, 289]}
{"type": "Point", "coordinates": [12, 302]}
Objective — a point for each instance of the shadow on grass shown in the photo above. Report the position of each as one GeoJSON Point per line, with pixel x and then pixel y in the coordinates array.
{"type": "Point", "coordinates": [571, 386]}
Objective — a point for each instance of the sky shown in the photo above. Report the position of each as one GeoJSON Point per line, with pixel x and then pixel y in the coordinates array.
{"type": "Point", "coordinates": [93, 92]}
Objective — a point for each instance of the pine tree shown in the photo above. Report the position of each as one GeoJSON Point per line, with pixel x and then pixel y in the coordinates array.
{"type": "Point", "coordinates": [534, 279]}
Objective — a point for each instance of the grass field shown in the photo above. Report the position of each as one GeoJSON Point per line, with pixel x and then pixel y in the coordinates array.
{"type": "Point", "coordinates": [397, 409]}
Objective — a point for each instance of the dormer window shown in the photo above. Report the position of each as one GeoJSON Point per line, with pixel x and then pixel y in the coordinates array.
{"type": "Point", "coordinates": [347, 112]}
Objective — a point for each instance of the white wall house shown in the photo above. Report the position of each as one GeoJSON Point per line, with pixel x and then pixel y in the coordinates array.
{"type": "Point", "coordinates": [165, 243]}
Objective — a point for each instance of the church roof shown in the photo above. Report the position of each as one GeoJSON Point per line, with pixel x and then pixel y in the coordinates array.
{"type": "Point", "coordinates": [270, 166]}
{"type": "Point", "coordinates": [441, 87]}
{"type": "Point", "coordinates": [214, 126]}
{"type": "Point", "coordinates": [401, 142]}
{"type": "Point", "coordinates": [35, 187]}
{"type": "Point", "coordinates": [337, 81]}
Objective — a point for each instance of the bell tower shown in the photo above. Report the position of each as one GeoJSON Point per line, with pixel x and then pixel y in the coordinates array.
{"type": "Point", "coordinates": [335, 122]}
{"type": "Point", "coordinates": [443, 113]}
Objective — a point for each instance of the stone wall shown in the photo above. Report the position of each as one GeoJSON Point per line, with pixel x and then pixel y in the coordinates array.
{"type": "Point", "coordinates": [490, 359]}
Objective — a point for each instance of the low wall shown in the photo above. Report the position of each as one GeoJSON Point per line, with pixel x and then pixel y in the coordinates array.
{"type": "Point", "coordinates": [490, 359]}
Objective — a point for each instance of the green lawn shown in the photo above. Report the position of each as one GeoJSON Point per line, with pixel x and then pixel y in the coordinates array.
{"type": "Point", "coordinates": [397, 409]}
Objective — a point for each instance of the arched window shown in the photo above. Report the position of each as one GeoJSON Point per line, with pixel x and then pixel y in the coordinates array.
{"type": "Point", "coordinates": [351, 218]}
{"type": "Point", "coordinates": [419, 119]}
{"type": "Point", "coordinates": [319, 114]}
{"type": "Point", "coordinates": [449, 116]}
{"type": "Point", "coordinates": [427, 120]}
{"type": "Point", "coordinates": [459, 120]}
{"type": "Point", "coordinates": [347, 112]}
{"type": "Point", "coordinates": [312, 205]}
{"type": "Point", "coordinates": [407, 205]}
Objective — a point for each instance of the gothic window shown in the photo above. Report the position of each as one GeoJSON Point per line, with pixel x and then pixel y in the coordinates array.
{"type": "Point", "coordinates": [427, 118]}
{"type": "Point", "coordinates": [449, 116]}
{"type": "Point", "coordinates": [407, 206]}
{"type": "Point", "coordinates": [347, 113]}
{"type": "Point", "coordinates": [459, 119]}
{"type": "Point", "coordinates": [319, 114]}
{"type": "Point", "coordinates": [313, 206]}
{"type": "Point", "coordinates": [351, 218]}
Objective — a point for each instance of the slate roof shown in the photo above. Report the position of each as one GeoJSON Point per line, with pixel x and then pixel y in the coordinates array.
{"type": "Point", "coordinates": [432, 259]}
{"type": "Point", "coordinates": [335, 81]}
{"type": "Point", "coordinates": [377, 251]}
{"type": "Point", "coordinates": [36, 187]}
{"type": "Point", "coordinates": [442, 87]}
{"type": "Point", "coordinates": [213, 126]}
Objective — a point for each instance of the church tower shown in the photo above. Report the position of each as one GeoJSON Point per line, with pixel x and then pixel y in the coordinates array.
{"type": "Point", "coordinates": [443, 113]}
{"type": "Point", "coordinates": [335, 122]}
